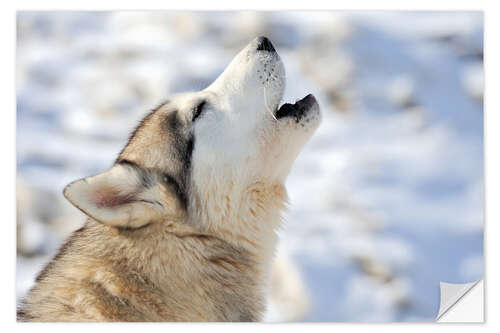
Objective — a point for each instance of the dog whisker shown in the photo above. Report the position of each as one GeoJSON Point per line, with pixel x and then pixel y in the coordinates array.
{"type": "Point", "coordinates": [267, 106]}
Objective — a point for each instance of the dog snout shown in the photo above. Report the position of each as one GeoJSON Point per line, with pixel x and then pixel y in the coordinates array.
{"type": "Point", "coordinates": [264, 44]}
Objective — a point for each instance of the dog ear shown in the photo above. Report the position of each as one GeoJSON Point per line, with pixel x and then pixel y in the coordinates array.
{"type": "Point", "coordinates": [124, 196]}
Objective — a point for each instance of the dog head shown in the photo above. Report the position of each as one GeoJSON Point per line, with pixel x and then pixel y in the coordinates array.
{"type": "Point", "coordinates": [200, 153]}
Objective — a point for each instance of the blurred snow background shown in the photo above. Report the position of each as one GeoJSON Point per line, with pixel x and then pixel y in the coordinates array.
{"type": "Point", "coordinates": [387, 197]}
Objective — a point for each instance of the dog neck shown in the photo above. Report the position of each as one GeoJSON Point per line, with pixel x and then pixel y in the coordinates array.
{"type": "Point", "coordinates": [245, 216]}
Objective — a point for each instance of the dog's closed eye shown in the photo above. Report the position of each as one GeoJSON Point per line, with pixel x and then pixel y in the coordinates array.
{"type": "Point", "coordinates": [198, 110]}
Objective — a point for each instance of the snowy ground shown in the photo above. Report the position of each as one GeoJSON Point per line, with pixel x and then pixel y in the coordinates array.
{"type": "Point", "coordinates": [387, 197]}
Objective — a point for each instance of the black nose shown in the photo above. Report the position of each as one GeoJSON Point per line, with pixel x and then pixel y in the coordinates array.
{"type": "Point", "coordinates": [264, 44]}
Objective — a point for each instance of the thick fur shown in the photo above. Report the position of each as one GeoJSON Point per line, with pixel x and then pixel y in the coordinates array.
{"type": "Point", "coordinates": [182, 227]}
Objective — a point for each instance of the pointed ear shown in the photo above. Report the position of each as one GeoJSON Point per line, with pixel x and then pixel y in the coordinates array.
{"type": "Point", "coordinates": [123, 196]}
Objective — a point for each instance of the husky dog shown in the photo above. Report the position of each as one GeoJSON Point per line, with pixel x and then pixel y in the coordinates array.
{"type": "Point", "coordinates": [182, 226]}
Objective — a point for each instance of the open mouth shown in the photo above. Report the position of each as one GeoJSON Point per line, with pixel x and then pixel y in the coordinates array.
{"type": "Point", "coordinates": [297, 110]}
